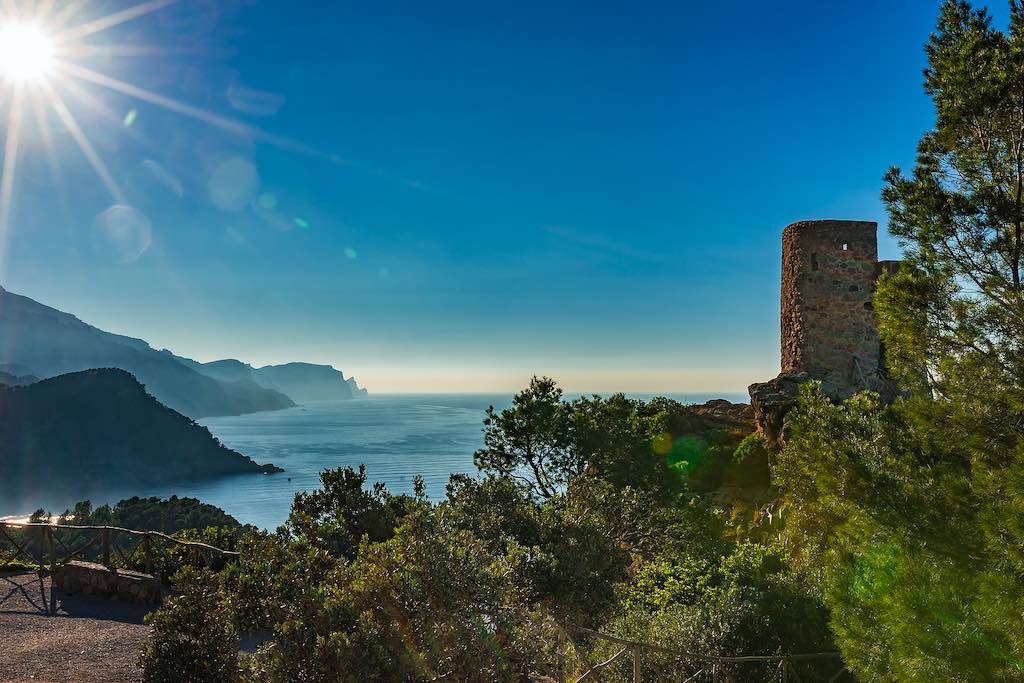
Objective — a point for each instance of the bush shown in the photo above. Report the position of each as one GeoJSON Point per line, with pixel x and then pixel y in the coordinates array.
{"type": "Point", "coordinates": [752, 446]}
{"type": "Point", "coordinates": [192, 638]}
{"type": "Point", "coordinates": [749, 602]}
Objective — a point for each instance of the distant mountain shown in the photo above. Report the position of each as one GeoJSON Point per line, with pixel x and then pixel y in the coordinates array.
{"type": "Point", "coordinates": [16, 380]}
{"type": "Point", "coordinates": [46, 342]}
{"type": "Point", "coordinates": [300, 381]}
{"type": "Point", "coordinates": [100, 429]}
{"type": "Point", "coordinates": [14, 368]}
{"type": "Point", "coordinates": [229, 370]}
{"type": "Point", "coordinates": [305, 381]}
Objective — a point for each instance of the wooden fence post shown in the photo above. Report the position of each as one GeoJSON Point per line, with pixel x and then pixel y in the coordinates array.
{"type": "Point", "coordinates": [105, 546]}
{"type": "Point", "coordinates": [148, 552]}
{"type": "Point", "coordinates": [636, 663]}
{"type": "Point", "coordinates": [37, 545]}
{"type": "Point", "coordinates": [49, 548]}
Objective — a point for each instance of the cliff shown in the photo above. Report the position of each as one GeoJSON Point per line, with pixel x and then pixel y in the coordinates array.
{"type": "Point", "coordinates": [305, 381]}
{"type": "Point", "coordinates": [99, 428]}
{"type": "Point", "coordinates": [357, 391]}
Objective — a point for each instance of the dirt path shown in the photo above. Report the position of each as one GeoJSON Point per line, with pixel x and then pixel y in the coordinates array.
{"type": "Point", "coordinates": [49, 636]}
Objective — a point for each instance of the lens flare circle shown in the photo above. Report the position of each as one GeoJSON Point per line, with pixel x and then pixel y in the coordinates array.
{"type": "Point", "coordinates": [234, 184]}
{"type": "Point", "coordinates": [27, 53]}
{"type": "Point", "coordinates": [122, 234]}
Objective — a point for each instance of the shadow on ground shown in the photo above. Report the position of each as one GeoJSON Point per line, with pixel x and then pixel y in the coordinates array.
{"type": "Point", "coordinates": [48, 635]}
{"type": "Point", "coordinates": [32, 593]}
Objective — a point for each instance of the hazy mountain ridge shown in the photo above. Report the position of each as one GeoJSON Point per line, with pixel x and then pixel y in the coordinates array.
{"type": "Point", "coordinates": [37, 340]}
{"type": "Point", "coordinates": [51, 343]}
{"type": "Point", "coordinates": [11, 380]}
{"type": "Point", "coordinates": [305, 381]}
{"type": "Point", "coordinates": [300, 381]}
{"type": "Point", "coordinates": [101, 428]}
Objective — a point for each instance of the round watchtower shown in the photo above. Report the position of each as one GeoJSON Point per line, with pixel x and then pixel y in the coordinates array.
{"type": "Point", "coordinates": [829, 328]}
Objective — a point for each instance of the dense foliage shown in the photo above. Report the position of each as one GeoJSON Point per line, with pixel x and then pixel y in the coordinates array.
{"type": "Point", "coordinates": [913, 512]}
{"type": "Point", "coordinates": [193, 639]}
{"type": "Point", "coordinates": [583, 516]}
{"type": "Point", "coordinates": [167, 515]}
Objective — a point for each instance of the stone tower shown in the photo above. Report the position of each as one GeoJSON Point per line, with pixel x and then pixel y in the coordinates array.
{"type": "Point", "coordinates": [829, 327]}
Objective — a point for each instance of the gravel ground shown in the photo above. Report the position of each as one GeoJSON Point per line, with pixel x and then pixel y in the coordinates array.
{"type": "Point", "coordinates": [49, 636]}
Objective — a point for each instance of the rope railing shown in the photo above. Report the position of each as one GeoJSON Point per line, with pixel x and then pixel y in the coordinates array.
{"type": "Point", "coordinates": [42, 544]}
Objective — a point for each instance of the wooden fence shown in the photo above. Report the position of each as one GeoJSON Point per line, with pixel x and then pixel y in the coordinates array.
{"type": "Point", "coordinates": [43, 544]}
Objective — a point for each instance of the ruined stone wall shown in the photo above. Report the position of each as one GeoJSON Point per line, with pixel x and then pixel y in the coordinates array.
{"type": "Point", "coordinates": [829, 269]}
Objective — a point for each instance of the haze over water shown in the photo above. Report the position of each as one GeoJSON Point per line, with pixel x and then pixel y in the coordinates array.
{"type": "Point", "coordinates": [396, 436]}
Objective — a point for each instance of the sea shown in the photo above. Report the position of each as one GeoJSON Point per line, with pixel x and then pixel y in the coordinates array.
{"type": "Point", "coordinates": [396, 437]}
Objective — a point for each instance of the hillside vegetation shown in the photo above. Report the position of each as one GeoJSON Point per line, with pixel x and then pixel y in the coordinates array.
{"type": "Point", "coordinates": [592, 513]}
{"type": "Point", "coordinates": [99, 428]}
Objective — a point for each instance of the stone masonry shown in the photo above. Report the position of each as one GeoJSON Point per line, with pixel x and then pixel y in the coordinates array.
{"type": "Point", "coordinates": [94, 579]}
{"type": "Point", "coordinates": [829, 327]}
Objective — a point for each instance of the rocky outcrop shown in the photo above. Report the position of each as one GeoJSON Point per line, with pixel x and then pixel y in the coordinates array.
{"type": "Point", "coordinates": [737, 414]}
{"type": "Point", "coordinates": [771, 402]}
{"type": "Point", "coordinates": [89, 578]}
{"type": "Point", "coordinates": [357, 391]}
{"type": "Point", "coordinates": [716, 416]}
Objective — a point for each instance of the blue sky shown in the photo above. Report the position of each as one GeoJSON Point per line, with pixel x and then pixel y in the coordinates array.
{"type": "Point", "coordinates": [454, 196]}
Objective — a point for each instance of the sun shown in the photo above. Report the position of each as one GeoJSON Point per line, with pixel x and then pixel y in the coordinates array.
{"type": "Point", "coordinates": [27, 53]}
{"type": "Point", "coordinates": [46, 47]}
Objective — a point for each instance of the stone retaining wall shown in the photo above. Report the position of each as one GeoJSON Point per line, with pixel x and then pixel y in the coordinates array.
{"type": "Point", "coordinates": [89, 578]}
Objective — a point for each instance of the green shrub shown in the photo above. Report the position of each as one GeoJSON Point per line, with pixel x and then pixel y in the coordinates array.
{"type": "Point", "coordinates": [192, 638]}
{"type": "Point", "coordinates": [752, 446]}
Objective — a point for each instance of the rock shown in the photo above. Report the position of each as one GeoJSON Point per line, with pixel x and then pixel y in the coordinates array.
{"type": "Point", "coordinates": [771, 401]}
{"type": "Point", "coordinates": [740, 413]}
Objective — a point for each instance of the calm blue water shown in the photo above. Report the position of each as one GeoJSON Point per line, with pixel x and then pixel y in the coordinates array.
{"type": "Point", "coordinates": [397, 437]}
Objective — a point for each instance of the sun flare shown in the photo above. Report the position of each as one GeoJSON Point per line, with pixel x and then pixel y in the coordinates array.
{"type": "Point", "coordinates": [27, 53]}
{"type": "Point", "coordinates": [54, 67]}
